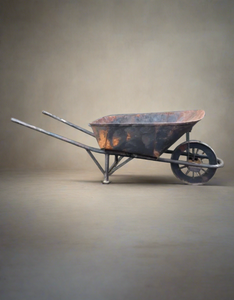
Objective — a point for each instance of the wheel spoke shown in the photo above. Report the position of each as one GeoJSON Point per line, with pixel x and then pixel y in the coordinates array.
{"type": "Point", "coordinates": [193, 154]}
{"type": "Point", "coordinates": [205, 171]}
{"type": "Point", "coordinates": [182, 167]}
{"type": "Point", "coordinates": [187, 172]}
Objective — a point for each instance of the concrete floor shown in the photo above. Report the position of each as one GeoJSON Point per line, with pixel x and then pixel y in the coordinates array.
{"type": "Point", "coordinates": [64, 235]}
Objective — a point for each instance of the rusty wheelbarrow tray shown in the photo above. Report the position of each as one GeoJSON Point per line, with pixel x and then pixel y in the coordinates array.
{"type": "Point", "coordinates": [147, 136]}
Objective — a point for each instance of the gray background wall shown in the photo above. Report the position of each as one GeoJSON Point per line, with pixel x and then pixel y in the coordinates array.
{"type": "Point", "coordinates": [85, 59]}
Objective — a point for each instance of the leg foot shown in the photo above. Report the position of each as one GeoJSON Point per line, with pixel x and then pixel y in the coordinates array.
{"type": "Point", "coordinates": [106, 182]}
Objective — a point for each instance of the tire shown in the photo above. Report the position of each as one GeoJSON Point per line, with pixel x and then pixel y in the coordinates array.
{"type": "Point", "coordinates": [198, 153]}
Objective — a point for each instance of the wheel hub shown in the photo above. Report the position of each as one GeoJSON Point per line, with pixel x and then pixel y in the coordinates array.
{"type": "Point", "coordinates": [194, 168]}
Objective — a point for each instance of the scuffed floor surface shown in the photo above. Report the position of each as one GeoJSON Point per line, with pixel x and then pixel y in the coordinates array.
{"type": "Point", "coordinates": [64, 235]}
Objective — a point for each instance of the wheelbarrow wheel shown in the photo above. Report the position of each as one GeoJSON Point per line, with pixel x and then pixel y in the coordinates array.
{"type": "Point", "coordinates": [197, 153]}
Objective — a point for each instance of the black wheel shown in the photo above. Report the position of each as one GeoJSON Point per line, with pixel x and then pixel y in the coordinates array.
{"type": "Point", "coordinates": [194, 152]}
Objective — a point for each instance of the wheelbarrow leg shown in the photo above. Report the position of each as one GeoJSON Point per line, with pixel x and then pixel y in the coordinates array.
{"type": "Point", "coordinates": [106, 174]}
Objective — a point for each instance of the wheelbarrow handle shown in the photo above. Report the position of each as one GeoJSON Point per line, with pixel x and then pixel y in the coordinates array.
{"type": "Point", "coordinates": [68, 123]}
{"type": "Point", "coordinates": [58, 136]}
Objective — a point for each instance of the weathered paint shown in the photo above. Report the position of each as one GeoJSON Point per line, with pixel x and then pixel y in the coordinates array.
{"type": "Point", "coordinates": [128, 136]}
{"type": "Point", "coordinates": [108, 145]}
{"type": "Point", "coordinates": [156, 153]}
{"type": "Point", "coordinates": [101, 138]}
{"type": "Point", "coordinates": [145, 134]}
{"type": "Point", "coordinates": [115, 141]}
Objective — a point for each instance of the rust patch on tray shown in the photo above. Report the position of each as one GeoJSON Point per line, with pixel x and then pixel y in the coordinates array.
{"type": "Point", "coordinates": [108, 145]}
{"type": "Point", "coordinates": [128, 136]}
{"type": "Point", "coordinates": [156, 153]}
{"type": "Point", "coordinates": [102, 139]}
{"type": "Point", "coordinates": [115, 141]}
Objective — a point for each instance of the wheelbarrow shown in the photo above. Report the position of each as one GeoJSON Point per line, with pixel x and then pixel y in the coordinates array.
{"type": "Point", "coordinates": [147, 136]}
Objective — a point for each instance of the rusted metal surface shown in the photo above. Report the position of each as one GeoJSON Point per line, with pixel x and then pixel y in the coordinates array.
{"type": "Point", "coordinates": [145, 134]}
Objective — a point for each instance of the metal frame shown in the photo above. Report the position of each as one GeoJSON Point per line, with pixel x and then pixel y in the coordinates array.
{"type": "Point", "coordinates": [109, 170]}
